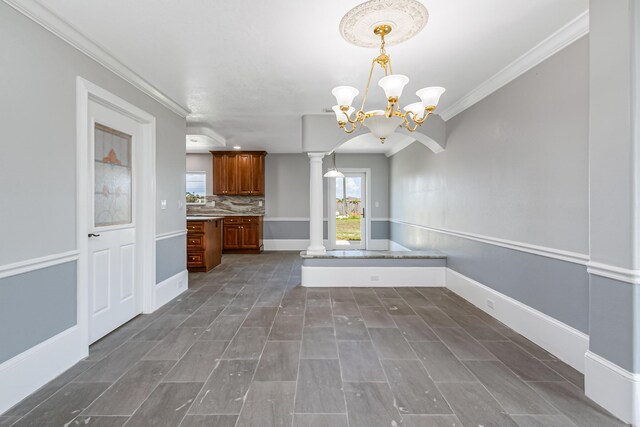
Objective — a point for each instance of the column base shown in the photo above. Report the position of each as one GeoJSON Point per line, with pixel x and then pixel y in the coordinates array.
{"type": "Point", "coordinates": [316, 250]}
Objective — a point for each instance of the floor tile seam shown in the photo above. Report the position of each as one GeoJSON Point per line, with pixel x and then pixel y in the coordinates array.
{"type": "Point", "coordinates": [113, 384]}
{"type": "Point", "coordinates": [246, 394]}
{"type": "Point", "coordinates": [295, 390]}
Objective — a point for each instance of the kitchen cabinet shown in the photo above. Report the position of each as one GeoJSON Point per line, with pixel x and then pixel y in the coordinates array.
{"type": "Point", "coordinates": [204, 243]}
{"type": "Point", "coordinates": [238, 173]}
{"type": "Point", "coordinates": [242, 234]}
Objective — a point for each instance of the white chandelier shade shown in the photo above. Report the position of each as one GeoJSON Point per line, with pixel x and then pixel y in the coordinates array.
{"type": "Point", "coordinates": [430, 96]}
{"type": "Point", "coordinates": [344, 95]}
{"type": "Point", "coordinates": [393, 85]}
{"type": "Point", "coordinates": [382, 126]}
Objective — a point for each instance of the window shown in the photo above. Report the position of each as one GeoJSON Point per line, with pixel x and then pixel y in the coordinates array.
{"type": "Point", "coordinates": [196, 188]}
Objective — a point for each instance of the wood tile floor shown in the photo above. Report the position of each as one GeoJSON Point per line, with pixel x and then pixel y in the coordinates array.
{"type": "Point", "coordinates": [247, 346]}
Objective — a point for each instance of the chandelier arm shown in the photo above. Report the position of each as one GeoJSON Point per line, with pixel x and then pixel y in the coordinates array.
{"type": "Point", "coordinates": [421, 121]}
{"type": "Point", "coordinates": [366, 91]}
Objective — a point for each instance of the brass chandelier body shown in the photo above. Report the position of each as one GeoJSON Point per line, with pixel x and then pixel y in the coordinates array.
{"type": "Point", "coordinates": [412, 118]}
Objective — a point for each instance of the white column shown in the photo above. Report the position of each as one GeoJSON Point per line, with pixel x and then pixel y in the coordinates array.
{"type": "Point", "coordinates": [316, 211]}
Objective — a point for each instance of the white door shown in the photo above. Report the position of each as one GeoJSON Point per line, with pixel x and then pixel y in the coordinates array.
{"type": "Point", "coordinates": [113, 295]}
{"type": "Point", "coordinates": [349, 211]}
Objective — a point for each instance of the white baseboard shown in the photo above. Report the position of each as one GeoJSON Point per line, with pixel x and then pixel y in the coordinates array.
{"type": "Point", "coordinates": [612, 387]}
{"type": "Point", "coordinates": [302, 244]}
{"type": "Point", "coordinates": [394, 246]}
{"type": "Point", "coordinates": [378, 245]}
{"type": "Point", "coordinates": [285, 244]}
{"type": "Point", "coordinates": [563, 341]}
{"type": "Point", "coordinates": [171, 288]}
{"type": "Point", "coordinates": [373, 276]}
{"type": "Point", "coordinates": [28, 371]}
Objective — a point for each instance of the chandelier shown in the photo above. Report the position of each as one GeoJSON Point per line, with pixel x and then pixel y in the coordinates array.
{"type": "Point", "coordinates": [386, 16]}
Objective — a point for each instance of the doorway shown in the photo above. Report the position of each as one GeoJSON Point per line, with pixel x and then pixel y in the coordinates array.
{"type": "Point", "coordinates": [116, 212]}
{"type": "Point", "coordinates": [348, 210]}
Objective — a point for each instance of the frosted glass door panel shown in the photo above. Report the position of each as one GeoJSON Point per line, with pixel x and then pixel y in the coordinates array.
{"type": "Point", "coordinates": [113, 186]}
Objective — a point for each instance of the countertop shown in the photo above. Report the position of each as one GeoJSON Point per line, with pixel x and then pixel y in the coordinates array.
{"type": "Point", "coordinates": [203, 218]}
{"type": "Point", "coordinates": [222, 215]}
{"type": "Point", "coordinates": [357, 254]}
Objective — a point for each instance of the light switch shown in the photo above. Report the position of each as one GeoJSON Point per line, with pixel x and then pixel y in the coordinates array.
{"type": "Point", "coordinates": [163, 204]}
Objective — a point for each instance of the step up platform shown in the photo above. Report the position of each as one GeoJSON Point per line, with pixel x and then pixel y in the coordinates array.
{"type": "Point", "coordinates": [357, 268]}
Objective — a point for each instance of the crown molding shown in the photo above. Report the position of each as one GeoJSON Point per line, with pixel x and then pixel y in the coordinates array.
{"type": "Point", "coordinates": [557, 41]}
{"type": "Point", "coordinates": [56, 25]}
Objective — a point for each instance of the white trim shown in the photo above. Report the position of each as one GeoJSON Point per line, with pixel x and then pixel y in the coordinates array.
{"type": "Point", "coordinates": [378, 245]}
{"type": "Point", "coordinates": [561, 340]}
{"type": "Point", "coordinates": [33, 264]}
{"type": "Point", "coordinates": [574, 257]}
{"type": "Point", "coordinates": [145, 203]}
{"type": "Point", "coordinates": [44, 17]}
{"type": "Point", "coordinates": [377, 276]}
{"type": "Point", "coordinates": [171, 234]}
{"type": "Point", "coordinates": [545, 49]}
{"type": "Point", "coordinates": [285, 244]}
{"type": "Point", "coordinates": [283, 219]}
{"type": "Point", "coordinates": [170, 288]}
{"type": "Point", "coordinates": [612, 387]}
{"type": "Point", "coordinates": [302, 218]}
{"type": "Point", "coordinates": [301, 244]}
{"type": "Point", "coordinates": [613, 272]}
{"type": "Point", "coordinates": [28, 371]}
{"type": "Point", "coordinates": [395, 246]}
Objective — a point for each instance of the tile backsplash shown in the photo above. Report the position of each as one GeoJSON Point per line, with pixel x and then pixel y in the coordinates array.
{"type": "Point", "coordinates": [229, 205]}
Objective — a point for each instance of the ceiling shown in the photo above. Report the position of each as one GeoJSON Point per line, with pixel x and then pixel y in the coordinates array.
{"type": "Point", "coordinates": [250, 69]}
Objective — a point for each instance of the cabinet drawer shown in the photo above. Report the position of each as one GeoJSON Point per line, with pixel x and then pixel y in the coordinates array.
{"type": "Point", "coordinates": [233, 220]}
{"type": "Point", "coordinates": [195, 259]}
{"type": "Point", "coordinates": [250, 219]}
{"type": "Point", "coordinates": [196, 241]}
{"type": "Point", "coordinates": [195, 227]}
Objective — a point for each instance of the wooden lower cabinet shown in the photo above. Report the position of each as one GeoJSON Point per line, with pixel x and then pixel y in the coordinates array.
{"type": "Point", "coordinates": [242, 234]}
{"type": "Point", "coordinates": [204, 244]}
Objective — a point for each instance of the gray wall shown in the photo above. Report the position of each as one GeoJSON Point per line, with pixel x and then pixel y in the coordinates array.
{"type": "Point", "coordinates": [38, 122]}
{"type": "Point", "coordinates": [35, 306]}
{"type": "Point", "coordinates": [515, 168]}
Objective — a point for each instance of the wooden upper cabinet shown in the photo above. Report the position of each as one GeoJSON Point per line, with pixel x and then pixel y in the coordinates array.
{"type": "Point", "coordinates": [238, 173]}
{"type": "Point", "coordinates": [245, 174]}
{"type": "Point", "coordinates": [257, 178]}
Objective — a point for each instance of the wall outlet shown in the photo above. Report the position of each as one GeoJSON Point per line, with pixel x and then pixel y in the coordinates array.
{"type": "Point", "coordinates": [180, 204]}
{"type": "Point", "coordinates": [377, 204]}
{"type": "Point", "coordinates": [163, 204]}
{"type": "Point", "coordinates": [260, 203]}
{"type": "Point", "coordinates": [212, 204]}
{"type": "Point", "coordinates": [375, 278]}
{"type": "Point", "coordinates": [490, 304]}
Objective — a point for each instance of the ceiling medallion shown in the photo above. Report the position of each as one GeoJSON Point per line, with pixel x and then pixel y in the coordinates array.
{"type": "Point", "coordinates": [406, 17]}
{"type": "Point", "coordinates": [380, 20]}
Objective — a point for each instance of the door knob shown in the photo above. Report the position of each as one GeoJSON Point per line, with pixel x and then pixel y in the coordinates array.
{"type": "Point", "coordinates": [93, 235]}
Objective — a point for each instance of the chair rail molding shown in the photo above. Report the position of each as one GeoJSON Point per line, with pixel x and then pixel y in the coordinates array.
{"type": "Point", "coordinates": [545, 49]}
{"type": "Point", "coordinates": [171, 234]}
{"type": "Point", "coordinates": [613, 272]}
{"type": "Point", "coordinates": [59, 27]}
{"type": "Point", "coordinates": [33, 264]}
{"type": "Point", "coordinates": [574, 257]}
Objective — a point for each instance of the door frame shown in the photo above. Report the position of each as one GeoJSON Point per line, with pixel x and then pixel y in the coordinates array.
{"type": "Point", "coordinates": [144, 203]}
{"type": "Point", "coordinates": [331, 197]}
